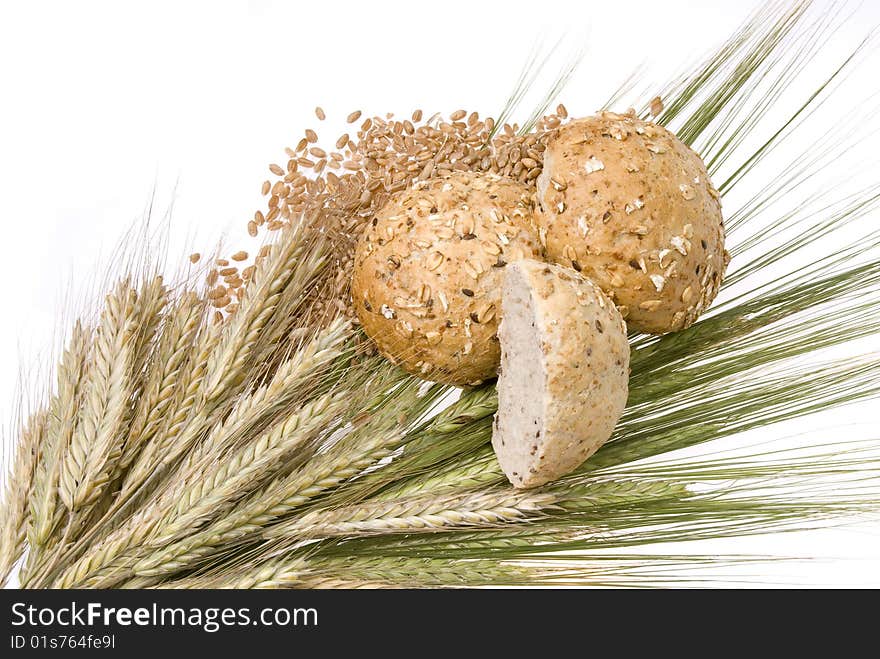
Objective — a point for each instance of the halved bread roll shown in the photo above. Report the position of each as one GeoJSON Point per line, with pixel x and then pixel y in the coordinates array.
{"type": "Point", "coordinates": [564, 372]}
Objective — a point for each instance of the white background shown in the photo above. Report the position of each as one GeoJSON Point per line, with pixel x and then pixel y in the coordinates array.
{"type": "Point", "coordinates": [104, 106]}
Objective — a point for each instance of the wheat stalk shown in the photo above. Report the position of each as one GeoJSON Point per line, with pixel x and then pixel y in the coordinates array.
{"type": "Point", "coordinates": [273, 501]}
{"type": "Point", "coordinates": [282, 573]}
{"type": "Point", "coordinates": [222, 361]}
{"type": "Point", "coordinates": [409, 571]}
{"type": "Point", "coordinates": [309, 359]}
{"type": "Point", "coordinates": [462, 475]}
{"type": "Point", "coordinates": [14, 513]}
{"type": "Point", "coordinates": [297, 377]}
{"type": "Point", "coordinates": [276, 498]}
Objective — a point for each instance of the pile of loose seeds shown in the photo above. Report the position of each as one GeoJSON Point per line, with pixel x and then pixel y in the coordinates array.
{"type": "Point", "coordinates": [342, 188]}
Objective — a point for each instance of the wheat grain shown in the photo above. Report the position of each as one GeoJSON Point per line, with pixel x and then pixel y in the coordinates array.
{"type": "Point", "coordinates": [384, 157]}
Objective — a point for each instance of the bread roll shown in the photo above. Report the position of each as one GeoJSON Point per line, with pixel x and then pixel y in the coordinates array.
{"type": "Point", "coordinates": [629, 205]}
{"type": "Point", "coordinates": [427, 274]}
{"type": "Point", "coordinates": [564, 372]}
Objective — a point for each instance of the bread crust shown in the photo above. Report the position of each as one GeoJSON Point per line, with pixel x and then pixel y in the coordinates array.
{"type": "Point", "coordinates": [629, 205]}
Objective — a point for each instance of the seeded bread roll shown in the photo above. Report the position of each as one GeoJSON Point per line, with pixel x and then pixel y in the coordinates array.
{"type": "Point", "coordinates": [631, 206]}
{"type": "Point", "coordinates": [427, 273]}
{"type": "Point", "coordinates": [564, 372]}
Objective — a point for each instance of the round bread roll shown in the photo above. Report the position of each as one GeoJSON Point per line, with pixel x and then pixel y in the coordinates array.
{"type": "Point", "coordinates": [564, 372]}
{"type": "Point", "coordinates": [629, 205]}
{"type": "Point", "coordinates": [427, 273]}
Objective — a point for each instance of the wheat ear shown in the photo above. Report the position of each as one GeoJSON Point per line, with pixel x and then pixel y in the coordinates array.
{"type": "Point", "coordinates": [279, 573]}
{"type": "Point", "coordinates": [151, 300]}
{"type": "Point", "coordinates": [249, 517]}
{"type": "Point", "coordinates": [479, 472]}
{"type": "Point", "coordinates": [62, 420]}
{"type": "Point", "coordinates": [185, 419]}
{"type": "Point", "coordinates": [347, 458]}
{"type": "Point", "coordinates": [95, 447]}
{"type": "Point", "coordinates": [212, 493]}
{"type": "Point", "coordinates": [180, 328]}
{"type": "Point", "coordinates": [290, 382]}
{"type": "Point", "coordinates": [199, 495]}
{"type": "Point", "coordinates": [135, 531]}
{"type": "Point", "coordinates": [421, 513]}
{"type": "Point", "coordinates": [292, 261]}
{"type": "Point", "coordinates": [399, 572]}
{"type": "Point", "coordinates": [326, 346]}
{"type": "Point", "coordinates": [223, 360]}
{"type": "Point", "coordinates": [208, 485]}
{"type": "Point", "coordinates": [14, 515]}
